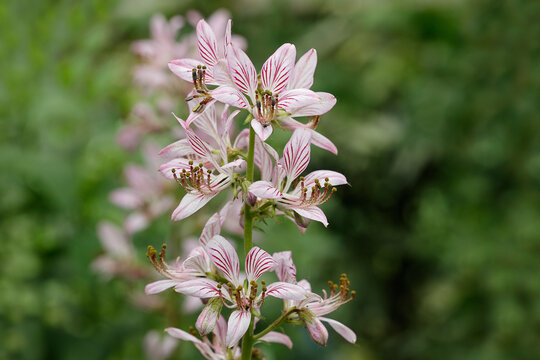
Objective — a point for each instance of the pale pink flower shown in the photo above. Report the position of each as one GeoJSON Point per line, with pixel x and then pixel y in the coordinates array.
{"type": "Point", "coordinates": [146, 194]}
{"type": "Point", "coordinates": [157, 51]}
{"type": "Point", "coordinates": [209, 69]}
{"type": "Point", "coordinates": [236, 291]}
{"type": "Point", "coordinates": [157, 347]}
{"type": "Point", "coordinates": [312, 308]}
{"type": "Point", "coordinates": [217, 348]}
{"type": "Point", "coordinates": [119, 258]}
{"type": "Point", "coordinates": [302, 78]}
{"type": "Point", "coordinates": [204, 169]}
{"type": "Point", "coordinates": [271, 98]}
{"type": "Point", "coordinates": [299, 194]}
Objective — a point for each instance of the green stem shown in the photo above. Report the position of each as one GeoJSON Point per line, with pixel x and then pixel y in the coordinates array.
{"type": "Point", "coordinates": [275, 324]}
{"type": "Point", "coordinates": [248, 216]}
{"type": "Point", "coordinates": [248, 340]}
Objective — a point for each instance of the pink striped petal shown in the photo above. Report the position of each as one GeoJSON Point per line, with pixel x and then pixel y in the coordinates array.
{"type": "Point", "coordinates": [237, 326]}
{"type": "Point", "coordinates": [341, 329]}
{"type": "Point", "coordinates": [276, 71]}
{"type": "Point", "coordinates": [225, 258]}
{"type": "Point", "coordinates": [286, 291]}
{"type": "Point", "coordinates": [292, 101]}
{"type": "Point", "coordinates": [159, 286]}
{"type": "Point", "coordinates": [296, 154]}
{"type": "Point", "coordinates": [277, 337]}
{"type": "Point", "coordinates": [265, 190]}
{"type": "Point", "coordinates": [258, 262]}
{"type": "Point", "coordinates": [263, 132]}
{"type": "Point", "coordinates": [302, 75]}
{"type": "Point", "coordinates": [182, 335]}
{"type": "Point", "coordinates": [198, 146]}
{"type": "Point", "coordinates": [183, 68]}
{"type": "Point", "coordinates": [230, 96]}
{"type": "Point", "coordinates": [206, 43]}
{"type": "Point", "coordinates": [324, 103]}
{"type": "Point", "coordinates": [313, 213]}
{"type": "Point", "coordinates": [334, 178]}
{"type": "Point", "coordinates": [242, 71]}
{"type": "Point", "coordinates": [284, 268]}
{"type": "Point", "coordinates": [201, 287]}
{"type": "Point", "coordinates": [179, 148]}
{"type": "Point", "coordinates": [190, 204]}
{"type": "Point", "coordinates": [323, 142]}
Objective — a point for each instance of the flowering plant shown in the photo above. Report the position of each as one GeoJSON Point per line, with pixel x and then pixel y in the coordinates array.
{"type": "Point", "coordinates": [211, 158]}
{"type": "Point", "coordinates": [208, 162]}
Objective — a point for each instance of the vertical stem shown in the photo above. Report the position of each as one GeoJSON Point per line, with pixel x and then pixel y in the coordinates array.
{"type": "Point", "coordinates": [248, 217]}
{"type": "Point", "coordinates": [247, 341]}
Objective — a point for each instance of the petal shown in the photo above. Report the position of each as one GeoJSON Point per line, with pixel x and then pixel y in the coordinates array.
{"type": "Point", "coordinates": [136, 222]}
{"type": "Point", "coordinates": [190, 204]}
{"type": "Point", "coordinates": [277, 337]}
{"type": "Point", "coordinates": [264, 156]}
{"type": "Point", "coordinates": [296, 154]}
{"type": "Point", "coordinates": [182, 335]}
{"type": "Point", "coordinates": [208, 317]}
{"type": "Point", "coordinates": [284, 267]}
{"type": "Point", "coordinates": [183, 68]}
{"type": "Point", "coordinates": [201, 287]}
{"type": "Point", "coordinates": [179, 148]}
{"type": "Point", "coordinates": [114, 240]}
{"type": "Point", "coordinates": [265, 190]}
{"type": "Point", "coordinates": [225, 258]}
{"type": "Point", "coordinates": [292, 101]}
{"type": "Point", "coordinates": [317, 331]}
{"type": "Point", "coordinates": [237, 326]}
{"type": "Point", "coordinates": [206, 43]}
{"type": "Point", "coordinates": [159, 286]}
{"type": "Point", "coordinates": [313, 213]}
{"type": "Point", "coordinates": [197, 261]}
{"type": "Point", "coordinates": [334, 178]}
{"type": "Point", "coordinates": [341, 329]}
{"type": "Point", "coordinates": [323, 142]}
{"type": "Point", "coordinates": [126, 198]}
{"type": "Point", "coordinates": [286, 291]}
{"type": "Point", "coordinates": [276, 71]}
{"type": "Point", "coordinates": [258, 262]}
{"type": "Point", "coordinates": [263, 132]}
{"type": "Point", "coordinates": [197, 144]}
{"type": "Point", "coordinates": [242, 71]}
{"type": "Point", "coordinates": [324, 103]}
{"type": "Point", "coordinates": [302, 75]}
{"type": "Point", "coordinates": [231, 96]}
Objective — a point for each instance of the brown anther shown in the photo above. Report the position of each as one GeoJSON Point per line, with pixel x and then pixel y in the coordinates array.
{"type": "Point", "coordinates": [218, 285]}
{"type": "Point", "coordinates": [190, 162]}
{"type": "Point", "coordinates": [263, 282]}
{"type": "Point", "coordinates": [334, 189]}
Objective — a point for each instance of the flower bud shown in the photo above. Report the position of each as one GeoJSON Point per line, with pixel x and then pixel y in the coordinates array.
{"type": "Point", "coordinates": [209, 316]}
{"type": "Point", "coordinates": [316, 329]}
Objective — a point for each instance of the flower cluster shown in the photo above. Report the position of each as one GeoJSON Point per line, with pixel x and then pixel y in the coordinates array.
{"type": "Point", "coordinates": [213, 158]}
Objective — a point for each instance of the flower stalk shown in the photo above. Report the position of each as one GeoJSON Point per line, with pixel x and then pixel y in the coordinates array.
{"type": "Point", "coordinates": [247, 341]}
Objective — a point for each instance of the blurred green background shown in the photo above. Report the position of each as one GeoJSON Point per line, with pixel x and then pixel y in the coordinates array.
{"type": "Point", "coordinates": [438, 129]}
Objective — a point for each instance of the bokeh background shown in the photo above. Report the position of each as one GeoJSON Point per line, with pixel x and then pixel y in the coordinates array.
{"type": "Point", "coordinates": [438, 129]}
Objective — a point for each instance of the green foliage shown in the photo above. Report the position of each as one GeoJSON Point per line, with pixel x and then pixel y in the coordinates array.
{"type": "Point", "coordinates": [436, 122]}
